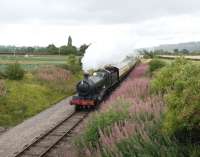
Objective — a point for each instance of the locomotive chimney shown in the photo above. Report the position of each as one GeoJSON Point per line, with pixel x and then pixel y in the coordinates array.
{"type": "Point", "coordinates": [86, 75]}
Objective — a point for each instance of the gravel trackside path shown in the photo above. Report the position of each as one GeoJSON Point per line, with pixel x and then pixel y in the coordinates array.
{"type": "Point", "coordinates": [15, 139]}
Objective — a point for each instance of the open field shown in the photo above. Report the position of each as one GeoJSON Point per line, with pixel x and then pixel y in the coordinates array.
{"type": "Point", "coordinates": [40, 59]}
{"type": "Point", "coordinates": [197, 58]}
{"type": "Point", "coordinates": [168, 61]}
{"type": "Point", "coordinates": [170, 58]}
{"type": "Point", "coordinates": [32, 62]}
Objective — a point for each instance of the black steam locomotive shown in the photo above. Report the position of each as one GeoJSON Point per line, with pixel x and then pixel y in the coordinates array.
{"type": "Point", "coordinates": [92, 89]}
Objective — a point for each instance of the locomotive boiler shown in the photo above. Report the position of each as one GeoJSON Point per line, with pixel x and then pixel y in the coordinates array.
{"type": "Point", "coordinates": [92, 89]}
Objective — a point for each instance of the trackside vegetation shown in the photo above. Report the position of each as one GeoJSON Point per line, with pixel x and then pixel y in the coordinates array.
{"type": "Point", "coordinates": [180, 87]}
{"type": "Point", "coordinates": [145, 116]}
{"type": "Point", "coordinates": [26, 92]}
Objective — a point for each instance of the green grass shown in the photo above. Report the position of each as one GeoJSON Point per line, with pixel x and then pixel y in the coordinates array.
{"type": "Point", "coordinates": [24, 100]}
{"type": "Point", "coordinates": [26, 67]}
{"type": "Point", "coordinates": [168, 61]}
{"type": "Point", "coordinates": [37, 59]}
{"type": "Point", "coordinates": [29, 96]}
{"type": "Point", "coordinates": [32, 62]}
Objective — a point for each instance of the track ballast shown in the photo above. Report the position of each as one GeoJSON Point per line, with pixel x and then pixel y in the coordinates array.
{"type": "Point", "coordinates": [45, 143]}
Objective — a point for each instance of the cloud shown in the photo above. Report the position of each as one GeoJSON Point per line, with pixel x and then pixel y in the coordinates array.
{"type": "Point", "coordinates": [152, 32]}
{"type": "Point", "coordinates": [118, 44]}
{"type": "Point", "coordinates": [91, 11]}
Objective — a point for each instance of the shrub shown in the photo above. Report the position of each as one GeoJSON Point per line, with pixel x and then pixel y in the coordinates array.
{"type": "Point", "coordinates": [73, 64]}
{"type": "Point", "coordinates": [180, 85]}
{"type": "Point", "coordinates": [14, 72]}
{"type": "Point", "coordinates": [156, 64]}
{"type": "Point", "coordinates": [195, 151]}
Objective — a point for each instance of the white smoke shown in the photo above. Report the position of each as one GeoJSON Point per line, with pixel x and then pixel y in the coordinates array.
{"type": "Point", "coordinates": [100, 54]}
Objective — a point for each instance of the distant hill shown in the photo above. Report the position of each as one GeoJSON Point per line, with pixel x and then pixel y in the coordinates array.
{"type": "Point", "coordinates": [191, 46]}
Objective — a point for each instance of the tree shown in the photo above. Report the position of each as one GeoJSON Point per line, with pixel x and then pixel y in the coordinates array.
{"type": "Point", "coordinates": [176, 51]}
{"type": "Point", "coordinates": [73, 63]}
{"type": "Point", "coordinates": [71, 50]}
{"type": "Point", "coordinates": [69, 41]}
{"type": "Point", "coordinates": [184, 51]}
{"type": "Point", "coordinates": [63, 49]}
{"type": "Point", "coordinates": [30, 49]}
{"type": "Point", "coordinates": [52, 49]}
{"type": "Point", "coordinates": [82, 49]}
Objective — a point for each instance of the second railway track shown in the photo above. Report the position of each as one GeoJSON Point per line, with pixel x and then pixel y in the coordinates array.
{"type": "Point", "coordinates": [45, 143]}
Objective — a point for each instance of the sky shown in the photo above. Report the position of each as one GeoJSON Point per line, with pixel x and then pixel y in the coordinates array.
{"type": "Point", "coordinates": [115, 25]}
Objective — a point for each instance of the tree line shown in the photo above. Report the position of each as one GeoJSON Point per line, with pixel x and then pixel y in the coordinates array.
{"type": "Point", "coordinates": [151, 53]}
{"type": "Point", "coordinates": [51, 49]}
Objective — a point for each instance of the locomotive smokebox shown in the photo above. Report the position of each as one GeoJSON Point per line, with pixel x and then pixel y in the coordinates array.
{"type": "Point", "coordinates": [83, 88]}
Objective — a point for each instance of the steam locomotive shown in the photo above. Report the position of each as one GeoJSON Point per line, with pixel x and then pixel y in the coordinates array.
{"type": "Point", "coordinates": [92, 89]}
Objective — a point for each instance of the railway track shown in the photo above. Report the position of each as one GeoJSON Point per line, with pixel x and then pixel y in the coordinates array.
{"type": "Point", "coordinates": [49, 140]}
{"type": "Point", "coordinates": [42, 146]}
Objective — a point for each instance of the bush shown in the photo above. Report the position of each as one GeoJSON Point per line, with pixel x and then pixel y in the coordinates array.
{"type": "Point", "coordinates": [179, 83]}
{"type": "Point", "coordinates": [73, 64]}
{"type": "Point", "coordinates": [156, 64]}
{"type": "Point", "coordinates": [14, 72]}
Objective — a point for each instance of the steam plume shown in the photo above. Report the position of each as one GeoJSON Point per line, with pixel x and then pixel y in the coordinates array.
{"type": "Point", "coordinates": [101, 54]}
